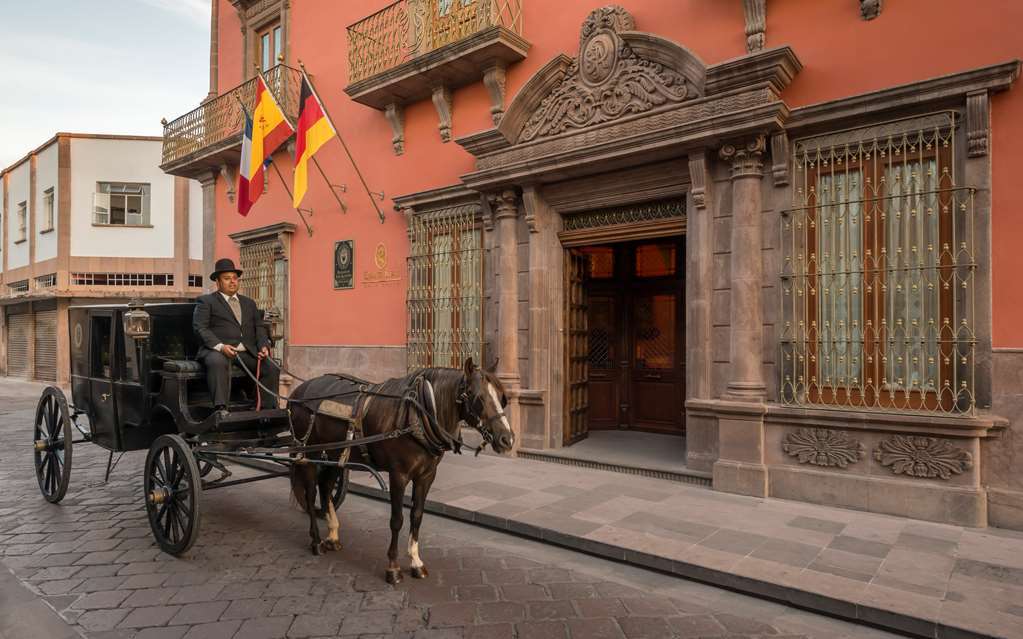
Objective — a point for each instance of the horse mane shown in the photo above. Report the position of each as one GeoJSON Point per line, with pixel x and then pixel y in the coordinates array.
{"type": "Point", "coordinates": [445, 383]}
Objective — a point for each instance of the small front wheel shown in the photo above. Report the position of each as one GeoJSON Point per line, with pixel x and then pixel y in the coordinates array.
{"type": "Point", "coordinates": [52, 444]}
{"type": "Point", "coordinates": [172, 492]}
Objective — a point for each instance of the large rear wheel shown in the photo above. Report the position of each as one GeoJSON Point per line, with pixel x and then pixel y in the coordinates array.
{"type": "Point", "coordinates": [172, 489]}
{"type": "Point", "coordinates": [52, 444]}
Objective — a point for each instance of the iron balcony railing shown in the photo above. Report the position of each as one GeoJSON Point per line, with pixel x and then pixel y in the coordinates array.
{"type": "Point", "coordinates": [221, 118]}
{"type": "Point", "coordinates": [407, 29]}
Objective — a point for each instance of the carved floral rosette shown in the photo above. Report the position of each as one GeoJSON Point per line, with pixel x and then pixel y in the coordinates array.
{"type": "Point", "coordinates": [926, 457]}
{"type": "Point", "coordinates": [607, 81]}
{"type": "Point", "coordinates": [823, 447]}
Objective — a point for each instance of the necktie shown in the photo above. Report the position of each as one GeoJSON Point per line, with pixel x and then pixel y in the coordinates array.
{"type": "Point", "coordinates": [236, 307]}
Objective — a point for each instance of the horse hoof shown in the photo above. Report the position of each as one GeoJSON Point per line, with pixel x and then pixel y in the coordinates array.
{"type": "Point", "coordinates": [330, 544]}
{"type": "Point", "coordinates": [394, 576]}
{"type": "Point", "coordinates": [317, 548]}
{"type": "Point", "coordinates": [419, 572]}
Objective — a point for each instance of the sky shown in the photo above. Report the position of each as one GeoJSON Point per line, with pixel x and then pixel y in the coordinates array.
{"type": "Point", "coordinates": [98, 66]}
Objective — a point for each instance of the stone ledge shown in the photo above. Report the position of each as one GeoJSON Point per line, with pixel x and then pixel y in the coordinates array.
{"type": "Point", "coordinates": [944, 425]}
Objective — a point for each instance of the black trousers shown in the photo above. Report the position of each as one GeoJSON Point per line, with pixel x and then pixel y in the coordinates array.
{"type": "Point", "coordinates": [218, 377]}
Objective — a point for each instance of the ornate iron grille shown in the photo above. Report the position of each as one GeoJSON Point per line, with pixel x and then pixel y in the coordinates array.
{"type": "Point", "coordinates": [265, 280]}
{"type": "Point", "coordinates": [659, 210]}
{"type": "Point", "coordinates": [221, 118]}
{"type": "Point", "coordinates": [445, 291]}
{"type": "Point", "coordinates": [878, 272]}
{"type": "Point", "coordinates": [409, 28]}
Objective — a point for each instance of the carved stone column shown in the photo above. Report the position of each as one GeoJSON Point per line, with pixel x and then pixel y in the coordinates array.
{"type": "Point", "coordinates": [208, 182]}
{"type": "Point", "coordinates": [746, 380]}
{"type": "Point", "coordinates": [214, 49]}
{"type": "Point", "coordinates": [506, 213]}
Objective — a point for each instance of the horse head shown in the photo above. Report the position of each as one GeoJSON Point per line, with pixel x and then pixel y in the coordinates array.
{"type": "Point", "coordinates": [481, 403]}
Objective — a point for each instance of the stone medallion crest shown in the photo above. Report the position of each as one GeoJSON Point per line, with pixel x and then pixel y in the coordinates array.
{"type": "Point", "coordinates": [608, 80]}
{"type": "Point", "coordinates": [823, 447]}
{"type": "Point", "coordinates": [926, 457]}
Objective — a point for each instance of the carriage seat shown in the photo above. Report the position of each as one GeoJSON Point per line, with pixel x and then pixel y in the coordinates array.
{"type": "Point", "coordinates": [193, 369]}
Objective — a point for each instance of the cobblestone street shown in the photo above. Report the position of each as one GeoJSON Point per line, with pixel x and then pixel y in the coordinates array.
{"type": "Point", "coordinates": [93, 561]}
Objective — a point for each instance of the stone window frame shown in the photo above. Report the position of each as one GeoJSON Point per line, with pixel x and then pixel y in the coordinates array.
{"type": "Point", "coordinates": [255, 16]}
{"type": "Point", "coordinates": [277, 238]}
{"type": "Point", "coordinates": [22, 217]}
{"type": "Point", "coordinates": [48, 210]}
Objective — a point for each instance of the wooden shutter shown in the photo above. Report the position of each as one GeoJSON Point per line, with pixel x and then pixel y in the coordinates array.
{"type": "Point", "coordinates": [576, 351]}
{"type": "Point", "coordinates": [46, 346]}
{"type": "Point", "coordinates": [19, 330]}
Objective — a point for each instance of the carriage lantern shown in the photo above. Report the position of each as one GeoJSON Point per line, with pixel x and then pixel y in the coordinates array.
{"type": "Point", "coordinates": [274, 324]}
{"type": "Point", "coordinates": [137, 322]}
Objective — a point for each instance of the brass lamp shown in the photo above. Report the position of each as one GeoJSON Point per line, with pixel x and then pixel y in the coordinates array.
{"type": "Point", "coordinates": [137, 322]}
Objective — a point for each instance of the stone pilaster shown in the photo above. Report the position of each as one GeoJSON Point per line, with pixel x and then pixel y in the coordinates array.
{"type": "Point", "coordinates": [506, 214]}
{"type": "Point", "coordinates": [209, 224]}
{"type": "Point", "coordinates": [746, 380]}
{"type": "Point", "coordinates": [214, 49]}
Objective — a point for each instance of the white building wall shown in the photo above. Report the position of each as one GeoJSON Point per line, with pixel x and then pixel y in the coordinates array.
{"type": "Point", "coordinates": [18, 191]}
{"type": "Point", "coordinates": [46, 177]}
{"type": "Point", "coordinates": [99, 160]}
{"type": "Point", "coordinates": [194, 220]}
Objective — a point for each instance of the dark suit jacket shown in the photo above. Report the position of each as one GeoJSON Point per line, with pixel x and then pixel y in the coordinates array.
{"type": "Point", "coordinates": [215, 324]}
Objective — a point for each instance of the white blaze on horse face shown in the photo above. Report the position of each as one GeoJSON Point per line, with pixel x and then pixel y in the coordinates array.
{"type": "Point", "coordinates": [413, 552]}
{"type": "Point", "coordinates": [333, 524]}
{"type": "Point", "coordinates": [498, 409]}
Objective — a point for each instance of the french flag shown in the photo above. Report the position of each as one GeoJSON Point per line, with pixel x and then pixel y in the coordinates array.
{"type": "Point", "coordinates": [245, 170]}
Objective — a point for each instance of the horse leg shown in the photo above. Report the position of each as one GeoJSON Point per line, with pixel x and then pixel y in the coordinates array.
{"type": "Point", "coordinates": [398, 483]}
{"type": "Point", "coordinates": [328, 478]}
{"type": "Point", "coordinates": [316, 545]}
{"type": "Point", "coordinates": [420, 487]}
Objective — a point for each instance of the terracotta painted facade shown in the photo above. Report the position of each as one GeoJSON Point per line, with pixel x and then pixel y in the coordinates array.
{"type": "Point", "coordinates": [726, 97]}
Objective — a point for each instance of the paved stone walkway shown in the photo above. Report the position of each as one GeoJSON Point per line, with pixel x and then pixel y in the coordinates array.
{"type": "Point", "coordinates": [250, 576]}
{"type": "Point", "coordinates": [932, 580]}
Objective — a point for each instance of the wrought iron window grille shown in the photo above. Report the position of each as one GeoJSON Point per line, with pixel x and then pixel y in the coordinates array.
{"type": "Point", "coordinates": [878, 272]}
{"type": "Point", "coordinates": [265, 280]}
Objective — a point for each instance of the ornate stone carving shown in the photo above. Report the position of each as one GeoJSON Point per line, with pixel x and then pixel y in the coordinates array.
{"type": "Point", "coordinates": [823, 447]}
{"type": "Point", "coordinates": [978, 122]}
{"type": "Point", "coordinates": [493, 79]}
{"type": "Point", "coordinates": [870, 9]}
{"type": "Point", "coordinates": [756, 23]}
{"type": "Point", "coordinates": [396, 116]}
{"type": "Point", "coordinates": [442, 102]}
{"type": "Point", "coordinates": [747, 158]}
{"type": "Point", "coordinates": [780, 158]}
{"type": "Point", "coordinates": [608, 80]}
{"type": "Point", "coordinates": [926, 457]}
{"type": "Point", "coordinates": [230, 175]}
{"type": "Point", "coordinates": [698, 178]}
{"type": "Point", "coordinates": [505, 204]}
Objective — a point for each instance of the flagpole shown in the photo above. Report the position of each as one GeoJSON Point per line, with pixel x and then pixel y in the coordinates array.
{"type": "Point", "coordinates": [330, 185]}
{"type": "Point", "coordinates": [308, 228]}
{"type": "Point", "coordinates": [330, 120]}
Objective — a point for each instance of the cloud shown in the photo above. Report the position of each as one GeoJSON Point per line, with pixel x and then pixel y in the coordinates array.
{"type": "Point", "coordinates": [195, 11]}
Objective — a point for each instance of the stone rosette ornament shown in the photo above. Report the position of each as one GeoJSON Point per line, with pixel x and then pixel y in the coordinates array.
{"type": "Point", "coordinates": [925, 457]}
{"type": "Point", "coordinates": [823, 447]}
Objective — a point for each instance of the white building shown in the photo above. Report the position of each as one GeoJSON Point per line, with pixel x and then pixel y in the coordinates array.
{"type": "Point", "coordinates": [86, 219]}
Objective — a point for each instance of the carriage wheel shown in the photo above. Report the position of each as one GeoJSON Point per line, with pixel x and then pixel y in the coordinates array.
{"type": "Point", "coordinates": [172, 490]}
{"type": "Point", "coordinates": [340, 490]}
{"type": "Point", "coordinates": [52, 436]}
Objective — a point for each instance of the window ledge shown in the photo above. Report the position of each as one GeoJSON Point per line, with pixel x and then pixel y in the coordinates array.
{"type": "Point", "coordinates": [123, 226]}
{"type": "Point", "coordinates": [21, 241]}
{"type": "Point", "coordinates": [49, 230]}
{"type": "Point", "coordinates": [977, 425]}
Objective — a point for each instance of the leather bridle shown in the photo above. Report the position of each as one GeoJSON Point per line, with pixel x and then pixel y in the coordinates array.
{"type": "Point", "coordinates": [473, 408]}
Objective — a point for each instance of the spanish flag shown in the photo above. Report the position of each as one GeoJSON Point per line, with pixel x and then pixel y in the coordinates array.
{"type": "Point", "coordinates": [269, 130]}
{"type": "Point", "coordinates": [314, 130]}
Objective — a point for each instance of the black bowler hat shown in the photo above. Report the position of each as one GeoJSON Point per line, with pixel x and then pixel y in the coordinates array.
{"type": "Point", "coordinates": [224, 265]}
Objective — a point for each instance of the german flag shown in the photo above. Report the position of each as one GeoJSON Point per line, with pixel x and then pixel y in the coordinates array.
{"type": "Point", "coordinates": [269, 130]}
{"type": "Point", "coordinates": [314, 130]}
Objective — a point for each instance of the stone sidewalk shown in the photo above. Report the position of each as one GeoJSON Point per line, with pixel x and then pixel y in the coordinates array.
{"type": "Point", "coordinates": [926, 579]}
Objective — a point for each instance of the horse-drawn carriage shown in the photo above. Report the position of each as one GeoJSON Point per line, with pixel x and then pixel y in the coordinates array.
{"type": "Point", "coordinates": [135, 384]}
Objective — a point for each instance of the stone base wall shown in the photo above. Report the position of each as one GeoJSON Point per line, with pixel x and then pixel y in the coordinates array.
{"type": "Point", "coordinates": [1002, 471]}
{"type": "Point", "coordinates": [374, 363]}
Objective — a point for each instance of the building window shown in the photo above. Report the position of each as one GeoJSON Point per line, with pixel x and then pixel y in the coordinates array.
{"type": "Point", "coordinates": [122, 279]}
{"type": "Point", "coordinates": [266, 279]}
{"type": "Point", "coordinates": [46, 281]}
{"type": "Point", "coordinates": [22, 222]}
{"type": "Point", "coordinates": [445, 292]}
{"type": "Point", "coordinates": [879, 271]}
{"type": "Point", "coordinates": [47, 210]}
{"type": "Point", "coordinates": [18, 287]}
{"type": "Point", "coordinates": [270, 46]}
{"type": "Point", "coordinates": [195, 281]}
{"type": "Point", "coordinates": [121, 204]}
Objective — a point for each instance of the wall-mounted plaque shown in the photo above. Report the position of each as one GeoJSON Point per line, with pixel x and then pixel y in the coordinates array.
{"type": "Point", "coordinates": [344, 264]}
{"type": "Point", "coordinates": [381, 274]}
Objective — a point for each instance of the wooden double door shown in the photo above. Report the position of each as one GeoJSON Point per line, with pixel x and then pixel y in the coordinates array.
{"type": "Point", "coordinates": [635, 336]}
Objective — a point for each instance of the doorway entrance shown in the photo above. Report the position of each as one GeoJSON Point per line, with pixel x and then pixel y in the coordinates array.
{"type": "Point", "coordinates": [634, 336]}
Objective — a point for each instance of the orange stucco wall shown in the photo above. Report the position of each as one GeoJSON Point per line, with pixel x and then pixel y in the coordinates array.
{"type": "Point", "coordinates": [842, 55]}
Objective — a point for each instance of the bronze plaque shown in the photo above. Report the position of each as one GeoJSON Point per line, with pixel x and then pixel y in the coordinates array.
{"type": "Point", "coordinates": [344, 264]}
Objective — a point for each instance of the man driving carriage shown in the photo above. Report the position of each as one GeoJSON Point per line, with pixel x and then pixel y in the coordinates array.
{"type": "Point", "coordinates": [229, 327]}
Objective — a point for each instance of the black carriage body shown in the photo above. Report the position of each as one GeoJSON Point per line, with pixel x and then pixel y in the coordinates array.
{"type": "Point", "coordinates": [117, 381]}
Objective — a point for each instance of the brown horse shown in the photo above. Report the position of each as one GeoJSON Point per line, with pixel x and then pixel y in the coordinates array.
{"type": "Point", "coordinates": [432, 401]}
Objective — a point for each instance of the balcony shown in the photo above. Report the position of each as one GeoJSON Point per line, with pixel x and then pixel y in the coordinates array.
{"type": "Point", "coordinates": [413, 50]}
{"type": "Point", "coordinates": [210, 136]}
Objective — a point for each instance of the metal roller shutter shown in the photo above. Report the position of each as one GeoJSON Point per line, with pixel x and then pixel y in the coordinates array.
{"type": "Point", "coordinates": [19, 327]}
{"type": "Point", "coordinates": [46, 346]}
